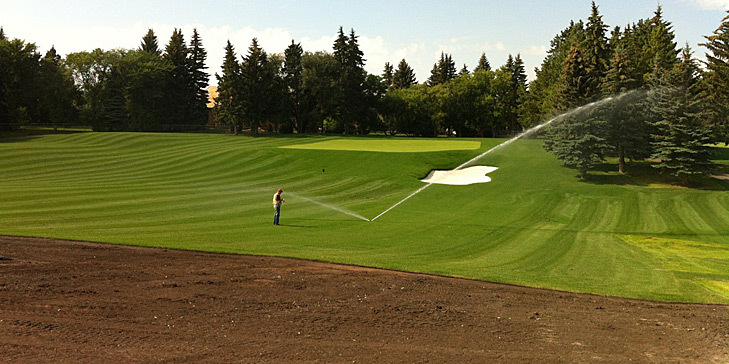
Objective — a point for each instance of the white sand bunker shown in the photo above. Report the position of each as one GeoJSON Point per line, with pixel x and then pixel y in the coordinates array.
{"type": "Point", "coordinates": [460, 177]}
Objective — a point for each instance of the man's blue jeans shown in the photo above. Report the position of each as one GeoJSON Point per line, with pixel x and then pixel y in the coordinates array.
{"type": "Point", "coordinates": [276, 214]}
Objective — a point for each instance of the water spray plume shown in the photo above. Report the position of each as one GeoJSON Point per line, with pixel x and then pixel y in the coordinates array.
{"type": "Point", "coordinates": [521, 135]}
{"type": "Point", "coordinates": [330, 206]}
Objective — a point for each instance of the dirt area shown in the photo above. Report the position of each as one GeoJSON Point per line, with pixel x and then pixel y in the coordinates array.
{"type": "Point", "coordinates": [75, 302]}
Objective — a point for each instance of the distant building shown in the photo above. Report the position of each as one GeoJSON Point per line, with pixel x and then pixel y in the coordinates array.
{"type": "Point", "coordinates": [212, 94]}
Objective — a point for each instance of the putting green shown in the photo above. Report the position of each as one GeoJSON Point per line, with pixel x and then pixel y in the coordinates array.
{"type": "Point", "coordinates": [389, 145]}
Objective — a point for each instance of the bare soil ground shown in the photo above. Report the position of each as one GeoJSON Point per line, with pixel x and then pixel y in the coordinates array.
{"type": "Point", "coordinates": [75, 302]}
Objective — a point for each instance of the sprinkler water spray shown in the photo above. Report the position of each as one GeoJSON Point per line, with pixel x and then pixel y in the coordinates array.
{"type": "Point", "coordinates": [522, 134]}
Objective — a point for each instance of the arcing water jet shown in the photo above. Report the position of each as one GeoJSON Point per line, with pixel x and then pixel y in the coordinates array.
{"type": "Point", "coordinates": [524, 133]}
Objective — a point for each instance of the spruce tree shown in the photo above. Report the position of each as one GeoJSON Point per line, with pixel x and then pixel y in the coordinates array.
{"type": "Point", "coordinates": [443, 71]}
{"type": "Point", "coordinates": [351, 101]}
{"type": "Point", "coordinates": [180, 94]}
{"type": "Point", "coordinates": [516, 92]}
{"type": "Point", "coordinates": [680, 139]}
{"type": "Point", "coordinates": [388, 74]}
{"type": "Point", "coordinates": [257, 87]}
{"type": "Point", "coordinates": [196, 62]}
{"type": "Point", "coordinates": [435, 76]}
{"type": "Point", "coordinates": [464, 71]}
{"type": "Point", "coordinates": [2, 34]}
{"type": "Point", "coordinates": [293, 83]}
{"type": "Point", "coordinates": [149, 43]}
{"type": "Point", "coordinates": [227, 104]}
{"type": "Point", "coordinates": [576, 138]}
{"type": "Point", "coordinates": [544, 90]}
{"type": "Point", "coordinates": [660, 47]}
{"type": "Point", "coordinates": [625, 128]}
{"type": "Point", "coordinates": [404, 76]}
{"type": "Point", "coordinates": [483, 64]}
{"type": "Point", "coordinates": [596, 52]}
{"type": "Point", "coordinates": [716, 81]}
{"type": "Point", "coordinates": [449, 69]}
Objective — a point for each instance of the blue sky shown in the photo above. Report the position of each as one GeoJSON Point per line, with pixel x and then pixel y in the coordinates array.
{"type": "Point", "coordinates": [389, 30]}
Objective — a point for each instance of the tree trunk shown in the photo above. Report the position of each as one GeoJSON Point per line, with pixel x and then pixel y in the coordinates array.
{"type": "Point", "coordinates": [684, 179]}
{"type": "Point", "coordinates": [621, 161]}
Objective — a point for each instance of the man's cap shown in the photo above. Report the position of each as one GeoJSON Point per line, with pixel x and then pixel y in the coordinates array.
{"type": "Point", "coordinates": [280, 190]}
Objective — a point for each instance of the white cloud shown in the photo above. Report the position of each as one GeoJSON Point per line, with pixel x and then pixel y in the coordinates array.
{"type": "Point", "coordinates": [420, 55]}
{"type": "Point", "coordinates": [711, 4]}
{"type": "Point", "coordinates": [535, 51]}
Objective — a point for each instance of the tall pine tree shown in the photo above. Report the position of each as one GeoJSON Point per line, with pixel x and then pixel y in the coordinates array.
{"type": "Point", "coordinates": [443, 71]}
{"type": "Point", "coordinates": [576, 137]}
{"type": "Point", "coordinates": [404, 77]}
{"type": "Point", "coordinates": [483, 64]}
{"type": "Point", "coordinates": [352, 100]}
{"type": "Point", "coordinates": [625, 128]}
{"type": "Point", "coordinates": [149, 43]}
{"type": "Point", "coordinates": [196, 63]}
{"type": "Point", "coordinates": [680, 139]}
{"type": "Point", "coordinates": [293, 83]}
{"type": "Point", "coordinates": [179, 93]}
{"type": "Point", "coordinates": [596, 53]}
{"type": "Point", "coordinates": [227, 103]}
{"type": "Point", "coordinates": [388, 74]}
{"type": "Point", "coordinates": [256, 87]}
{"type": "Point", "coordinates": [716, 81]}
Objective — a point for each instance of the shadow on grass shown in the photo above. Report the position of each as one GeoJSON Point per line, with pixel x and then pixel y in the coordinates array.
{"type": "Point", "coordinates": [24, 135]}
{"type": "Point", "coordinates": [721, 154]}
{"type": "Point", "coordinates": [642, 173]}
{"type": "Point", "coordinates": [295, 226]}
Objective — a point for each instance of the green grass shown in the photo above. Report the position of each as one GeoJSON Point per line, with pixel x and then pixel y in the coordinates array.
{"type": "Point", "coordinates": [535, 224]}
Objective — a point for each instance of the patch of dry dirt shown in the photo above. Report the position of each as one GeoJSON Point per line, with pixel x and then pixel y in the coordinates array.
{"type": "Point", "coordinates": [72, 302]}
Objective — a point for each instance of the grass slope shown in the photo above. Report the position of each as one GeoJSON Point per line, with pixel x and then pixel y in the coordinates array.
{"type": "Point", "coordinates": [534, 224]}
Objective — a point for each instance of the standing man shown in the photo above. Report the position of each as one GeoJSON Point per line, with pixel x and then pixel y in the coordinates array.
{"type": "Point", "coordinates": [277, 201]}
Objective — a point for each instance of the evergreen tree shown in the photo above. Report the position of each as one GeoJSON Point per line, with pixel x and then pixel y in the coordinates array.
{"type": "Point", "coordinates": [352, 100]}
{"type": "Point", "coordinates": [443, 71]}
{"type": "Point", "coordinates": [227, 104]}
{"type": "Point", "coordinates": [56, 102]}
{"type": "Point", "coordinates": [596, 52]}
{"type": "Point", "coordinates": [515, 92]}
{"type": "Point", "coordinates": [542, 100]}
{"type": "Point", "coordinates": [196, 61]}
{"type": "Point", "coordinates": [573, 89]}
{"type": "Point", "coordinates": [388, 74]}
{"type": "Point", "coordinates": [113, 115]}
{"type": "Point", "coordinates": [257, 89]}
{"type": "Point", "coordinates": [293, 82]}
{"type": "Point", "coordinates": [340, 47]}
{"type": "Point", "coordinates": [660, 46]}
{"type": "Point", "coordinates": [483, 64]}
{"type": "Point", "coordinates": [717, 79]}
{"type": "Point", "coordinates": [404, 76]}
{"type": "Point", "coordinates": [681, 138]}
{"type": "Point", "coordinates": [625, 128]}
{"type": "Point", "coordinates": [576, 138]}
{"type": "Point", "coordinates": [464, 71]}
{"type": "Point", "coordinates": [180, 93]}
{"type": "Point", "coordinates": [2, 34]}
{"type": "Point", "coordinates": [149, 43]}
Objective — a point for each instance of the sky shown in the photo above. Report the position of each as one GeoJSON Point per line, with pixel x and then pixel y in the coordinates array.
{"type": "Point", "coordinates": [388, 30]}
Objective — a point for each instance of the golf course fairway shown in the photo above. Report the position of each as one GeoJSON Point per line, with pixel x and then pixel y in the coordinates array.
{"type": "Point", "coordinates": [534, 224]}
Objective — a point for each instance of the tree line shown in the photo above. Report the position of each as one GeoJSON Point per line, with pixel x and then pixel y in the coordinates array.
{"type": "Point", "coordinates": [144, 89]}
{"type": "Point", "coordinates": [675, 110]}
{"type": "Point", "coordinates": [663, 106]}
